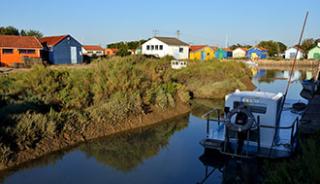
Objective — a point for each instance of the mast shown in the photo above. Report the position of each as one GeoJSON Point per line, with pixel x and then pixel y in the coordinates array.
{"type": "Point", "coordinates": [289, 81]}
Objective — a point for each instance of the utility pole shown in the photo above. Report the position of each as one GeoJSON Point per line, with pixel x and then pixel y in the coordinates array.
{"type": "Point", "coordinates": [155, 32]}
{"type": "Point", "coordinates": [178, 34]}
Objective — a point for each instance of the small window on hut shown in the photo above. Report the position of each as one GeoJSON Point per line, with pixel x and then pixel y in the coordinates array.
{"type": "Point", "coordinates": [7, 51]}
{"type": "Point", "coordinates": [27, 51]}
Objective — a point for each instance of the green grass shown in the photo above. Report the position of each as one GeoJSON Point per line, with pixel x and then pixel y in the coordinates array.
{"type": "Point", "coordinates": [302, 168]}
{"type": "Point", "coordinates": [54, 101]}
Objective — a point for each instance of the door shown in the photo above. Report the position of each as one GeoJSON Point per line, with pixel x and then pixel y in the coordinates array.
{"type": "Point", "coordinates": [74, 55]}
{"type": "Point", "coordinates": [316, 56]}
{"type": "Point", "coordinates": [203, 55]}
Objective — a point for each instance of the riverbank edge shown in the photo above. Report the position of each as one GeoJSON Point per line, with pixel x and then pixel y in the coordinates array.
{"type": "Point", "coordinates": [95, 130]}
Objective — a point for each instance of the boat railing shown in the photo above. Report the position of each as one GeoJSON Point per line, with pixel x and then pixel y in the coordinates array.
{"type": "Point", "coordinates": [293, 127]}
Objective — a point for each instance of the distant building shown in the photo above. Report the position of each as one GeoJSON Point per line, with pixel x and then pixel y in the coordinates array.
{"type": "Point", "coordinates": [256, 53]}
{"type": "Point", "coordinates": [62, 50]}
{"type": "Point", "coordinates": [223, 53]}
{"type": "Point", "coordinates": [14, 49]}
{"type": "Point", "coordinates": [239, 52]}
{"type": "Point", "coordinates": [314, 53]}
{"type": "Point", "coordinates": [291, 53]}
{"type": "Point", "coordinates": [93, 50]}
{"type": "Point", "coordinates": [111, 51]}
{"type": "Point", "coordinates": [201, 52]}
{"type": "Point", "coordinates": [166, 46]}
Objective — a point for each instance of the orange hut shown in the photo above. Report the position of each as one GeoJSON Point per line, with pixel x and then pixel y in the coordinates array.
{"type": "Point", "coordinates": [13, 49]}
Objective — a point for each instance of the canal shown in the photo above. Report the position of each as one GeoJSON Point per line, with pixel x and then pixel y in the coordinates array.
{"type": "Point", "coordinates": [168, 152]}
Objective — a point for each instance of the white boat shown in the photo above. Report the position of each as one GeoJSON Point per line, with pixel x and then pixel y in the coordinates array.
{"type": "Point", "coordinates": [262, 130]}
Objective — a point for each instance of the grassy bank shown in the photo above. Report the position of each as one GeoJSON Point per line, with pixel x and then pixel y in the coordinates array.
{"type": "Point", "coordinates": [48, 108]}
{"type": "Point", "coordinates": [302, 168]}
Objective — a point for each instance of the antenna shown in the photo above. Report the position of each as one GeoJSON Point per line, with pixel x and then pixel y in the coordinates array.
{"type": "Point", "coordinates": [178, 33]}
{"type": "Point", "coordinates": [227, 41]}
{"type": "Point", "coordinates": [155, 32]}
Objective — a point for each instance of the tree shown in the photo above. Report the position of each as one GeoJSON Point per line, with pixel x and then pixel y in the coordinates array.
{"type": "Point", "coordinates": [274, 48]}
{"type": "Point", "coordinates": [232, 47]}
{"type": "Point", "coordinates": [35, 33]}
{"type": "Point", "coordinates": [10, 30]}
{"type": "Point", "coordinates": [308, 44]}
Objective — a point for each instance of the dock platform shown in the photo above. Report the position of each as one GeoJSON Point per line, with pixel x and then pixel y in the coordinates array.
{"type": "Point", "coordinates": [310, 121]}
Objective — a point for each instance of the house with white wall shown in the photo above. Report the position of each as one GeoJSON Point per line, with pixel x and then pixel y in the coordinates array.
{"type": "Point", "coordinates": [93, 50]}
{"type": "Point", "coordinates": [166, 46]}
{"type": "Point", "coordinates": [239, 52]}
{"type": "Point", "coordinates": [291, 53]}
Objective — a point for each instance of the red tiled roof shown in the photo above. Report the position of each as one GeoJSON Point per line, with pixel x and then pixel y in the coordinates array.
{"type": "Point", "coordinates": [196, 47]}
{"type": "Point", "coordinates": [227, 49]}
{"type": "Point", "coordinates": [52, 40]}
{"type": "Point", "coordinates": [93, 47]}
{"type": "Point", "coordinates": [25, 42]}
{"type": "Point", "coordinates": [263, 49]}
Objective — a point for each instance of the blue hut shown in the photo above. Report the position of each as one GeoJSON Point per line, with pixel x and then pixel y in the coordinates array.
{"type": "Point", "coordinates": [223, 53]}
{"type": "Point", "coordinates": [61, 50]}
{"type": "Point", "coordinates": [255, 53]}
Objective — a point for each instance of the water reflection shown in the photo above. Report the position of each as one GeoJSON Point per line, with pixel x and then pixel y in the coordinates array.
{"type": "Point", "coordinates": [233, 170]}
{"type": "Point", "coordinates": [126, 151]}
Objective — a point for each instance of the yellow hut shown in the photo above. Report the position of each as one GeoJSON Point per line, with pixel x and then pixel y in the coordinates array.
{"type": "Point", "coordinates": [201, 52]}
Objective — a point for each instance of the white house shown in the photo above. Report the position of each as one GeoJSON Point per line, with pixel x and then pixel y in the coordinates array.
{"type": "Point", "coordinates": [93, 50]}
{"type": "Point", "coordinates": [239, 53]}
{"type": "Point", "coordinates": [291, 53]}
{"type": "Point", "coordinates": [166, 46]}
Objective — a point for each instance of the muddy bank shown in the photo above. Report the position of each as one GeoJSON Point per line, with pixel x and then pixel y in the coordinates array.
{"type": "Point", "coordinates": [92, 131]}
{"type": "Point", "coordinates": [270, 64]}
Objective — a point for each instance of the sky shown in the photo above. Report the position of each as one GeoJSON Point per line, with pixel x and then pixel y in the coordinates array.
{"type": "Point", "coordinates": [209, 22]}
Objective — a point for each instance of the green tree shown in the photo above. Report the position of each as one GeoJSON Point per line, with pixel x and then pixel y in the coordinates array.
{"type": "Point", "coordinates": [35, 33]}
{"type": "Point", "coordinates": [232, 47]}
{"type": "Point", "coordinates": [274, 48]}
{"type": "Point", "coordinates": [10, 30]}
{"type": "Point", "coordinates": [308, 44]}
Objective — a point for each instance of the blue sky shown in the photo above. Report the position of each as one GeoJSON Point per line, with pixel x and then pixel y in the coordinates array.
{"type": "Point", "coordinates": [200, 22]}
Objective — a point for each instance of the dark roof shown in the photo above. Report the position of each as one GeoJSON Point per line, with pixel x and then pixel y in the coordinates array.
{"type": "Point", "coordinates": [172, 41]}
{"type": "Point", "coordinates": [93, 47]}
{"type": "Point", "coordinates": [26, 42]}
{"type": "Point", "coordinates": [52, 40]}
{"type": "Point", "coordinates": [318, 40]}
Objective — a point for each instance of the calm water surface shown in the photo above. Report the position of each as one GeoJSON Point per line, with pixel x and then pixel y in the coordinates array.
{"type": "Point", "coordinates": [165, 153]}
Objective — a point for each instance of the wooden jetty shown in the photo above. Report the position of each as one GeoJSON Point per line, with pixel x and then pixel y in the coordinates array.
{"type": "Point", "coordinates": [310, 121]}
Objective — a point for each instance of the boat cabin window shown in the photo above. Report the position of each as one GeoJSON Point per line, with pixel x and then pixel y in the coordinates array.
{"type": "Point", "coordinates": [252, 108]}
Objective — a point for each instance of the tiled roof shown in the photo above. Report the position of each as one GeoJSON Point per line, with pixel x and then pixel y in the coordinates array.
{"type": "Point", "coordinates": [196, 47]}
{"type": "Point", "coordinates": [25, 42]}
{"type": "Point", "coordinates": [93, 47]}
{"type": "Point", "coordinates": [227, 49]}
{"type": "Point", "coordinates": [52, 40]}
{"type": "Point", "coordinates": [263, 49]}
{"type": "Point", "coordinates": [172, 41]}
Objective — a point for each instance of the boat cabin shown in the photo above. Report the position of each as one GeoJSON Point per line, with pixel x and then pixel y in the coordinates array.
{"type": "Point", "coordinates": [254, 124]}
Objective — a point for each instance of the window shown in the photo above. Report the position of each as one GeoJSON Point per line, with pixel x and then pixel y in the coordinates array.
{"type": "Point", "coordinates": [152, 47]}
{"type": "Point", "coordinates": [180, 49]}
{"type": "Point", "coordinates": [7, 51]}
{"type": "Point", "coordinates": [148, 47]}
{"type": "Point", "coordinates": [157, 47]}
{"type": "Point", "coordinates": [253, 108]}
{"type": "Point", "coordinates": [27, 51]}
{"type": "Point", "coordinates": [161, 47]}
